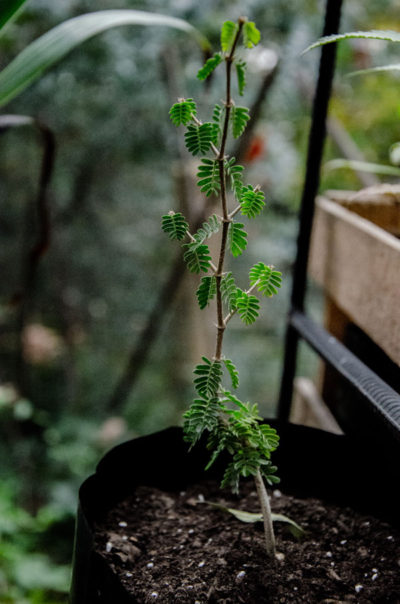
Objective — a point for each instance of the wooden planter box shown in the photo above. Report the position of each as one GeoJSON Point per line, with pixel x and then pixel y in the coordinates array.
{"type": "Point", "coordinates": [355, 258]}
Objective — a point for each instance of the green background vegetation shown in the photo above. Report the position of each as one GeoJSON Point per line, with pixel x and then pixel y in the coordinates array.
{"type": "Point", "coordinates": [116, 173]}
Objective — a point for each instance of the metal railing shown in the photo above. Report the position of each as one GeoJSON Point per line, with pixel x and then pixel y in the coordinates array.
{"type": "Point", "coordinates": [379, 397]}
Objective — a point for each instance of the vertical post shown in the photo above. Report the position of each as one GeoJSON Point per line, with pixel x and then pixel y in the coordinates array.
{"type": "Point", "coordinates": [310, 189]}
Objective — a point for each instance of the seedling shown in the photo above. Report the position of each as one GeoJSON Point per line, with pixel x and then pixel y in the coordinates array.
{"type": "Point", "coordinates": [227, 423]}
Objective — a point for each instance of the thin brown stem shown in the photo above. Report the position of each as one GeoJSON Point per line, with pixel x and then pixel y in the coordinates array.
{"type": "Point", "coordinates": [224, 205]}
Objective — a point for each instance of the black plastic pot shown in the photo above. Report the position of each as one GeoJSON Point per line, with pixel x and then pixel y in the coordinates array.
{"type": "Point", "coordinates": [311, 462]}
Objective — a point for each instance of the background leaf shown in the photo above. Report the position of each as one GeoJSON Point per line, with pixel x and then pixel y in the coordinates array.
{"type": "Point", "coordinates": [55, 44]}
{"type": "Point", "coordinates": [374, 34]}
{"type": "Point", "coordinates": [393, 67]}
{"type": "Point", "coordinates": [9, 10]}
{"type": "Point", "coordinates": [363, 166]}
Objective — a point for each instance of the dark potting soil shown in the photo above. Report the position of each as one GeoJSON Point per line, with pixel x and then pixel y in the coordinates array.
{"type": "Point", "coordinates": [174, 547]}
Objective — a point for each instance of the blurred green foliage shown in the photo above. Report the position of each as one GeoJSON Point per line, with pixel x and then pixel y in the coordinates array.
{"type": "Point", "coordinates": [115, 175]}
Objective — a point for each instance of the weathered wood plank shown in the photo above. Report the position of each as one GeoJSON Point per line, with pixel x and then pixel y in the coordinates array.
{"type": "Point", "coordinates": [380, 204]}
{"type": "Point", "coordinates": [358, 265]}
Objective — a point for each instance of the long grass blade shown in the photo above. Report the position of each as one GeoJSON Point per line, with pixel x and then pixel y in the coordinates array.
{"type": "Point", "coordinates": [374, 34]}
{"type": "Point", "coordinates": [47, 50]}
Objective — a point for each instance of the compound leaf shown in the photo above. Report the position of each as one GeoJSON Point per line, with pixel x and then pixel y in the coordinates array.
{"type": "Point", "coordinates": [197, 257]}
{"type": "Point", "coordinates": [199, 139]}
{"type": "Point", "coordinates": [241, 76]}
{"type": "Point", "coordinates": [247, 307]}
{"type": "Point", "coordinates": [229, 291]}
{"type": "Point", "coordinates": [209, 378]}
{"type": "Point", "coordinates": [239, 118]}
{"type": "Point", "coordinates": [208, 174]}
{"type": "Point", "coordinates": [175, 225]}
{"type": "Point", "coordinates": [235, 173]}
{"type": "Point", "coordinates": [206, 291]}
{"type": "Point", "coordinates": [209, 66]}
{"type": "Point", "coordinates": [251, 201]}
{"type": "Point", "coordinates": [228, 33]}
{"type": "Point", "coordinates": [233, 372]}
{"type": "Point", "coordinates": [207, 229]}
{"type": "Point", "coordinates": [237, 237]}
{"type": "Point", "coordinates": [270, 436]}
{"type": "Point", "coordinates": [182, 112]}
{"type": "Point", "coordinates": [266, 278]}
{"type": "Point", "coordinates": [251, 35]}
{"type": "Point", "coordinates": [202, 415]}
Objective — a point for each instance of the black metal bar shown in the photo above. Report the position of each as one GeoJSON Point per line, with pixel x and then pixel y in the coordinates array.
{"type": "Point", "coordinates": [384, 400]}
{"type": "Point", "coordinates": [311, 184]}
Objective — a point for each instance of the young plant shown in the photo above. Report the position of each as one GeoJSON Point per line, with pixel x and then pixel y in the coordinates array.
{"type": "Point", "coordinates": [229, 424]}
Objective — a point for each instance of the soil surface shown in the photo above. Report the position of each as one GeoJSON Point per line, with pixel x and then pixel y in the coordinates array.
{"type": "Point", "coordinates": [174, 547]}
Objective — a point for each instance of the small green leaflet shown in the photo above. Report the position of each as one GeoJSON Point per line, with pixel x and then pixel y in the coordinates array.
{"type": "Point", "coordinates": [228, 33]}
{"type": "Point", "coordinates": [210, 376]}
{"type": "Point", "coordinates": [217, 113]}
{"type": "Point", "coordinates": [251, 35]}
{"type": "Point", "coordinates": [209, 66]}
{"type": "Point", "coordinates": [239, 118]}
{"type": "Point", "coordinates": [199, 139]}
{"type": "Point", "coordinates": [229, 291]}
{"type": "Point", "coordinates": [234, 171]}
{"type": "Point", "coordinates": [175, 225]}
{"type": "Point", "coordinates": [233, 372]}
{"type": "Point", "coordinates": [206, 291]}
{"type": "Point", "coordinates": [197, 257]}
{"type": "Point", "coordinates": [208, 175]}
{"type": "Point", "coordinates": [247, 307]}
{"type": "Point", "coordinates": [207, 229]}
{"type": "Point", "coordinates": [182, 112]}
{"type": "Point", "coordinates": [251, 201]}
{"type": "Point", "coordinates": [241, 76]}
{"type": "Point", "coordinates": [267, 279]}
{"type": "Point", "coordinates": [237, 238]}
{"type": "Point", "coordinates": [251, 517]}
